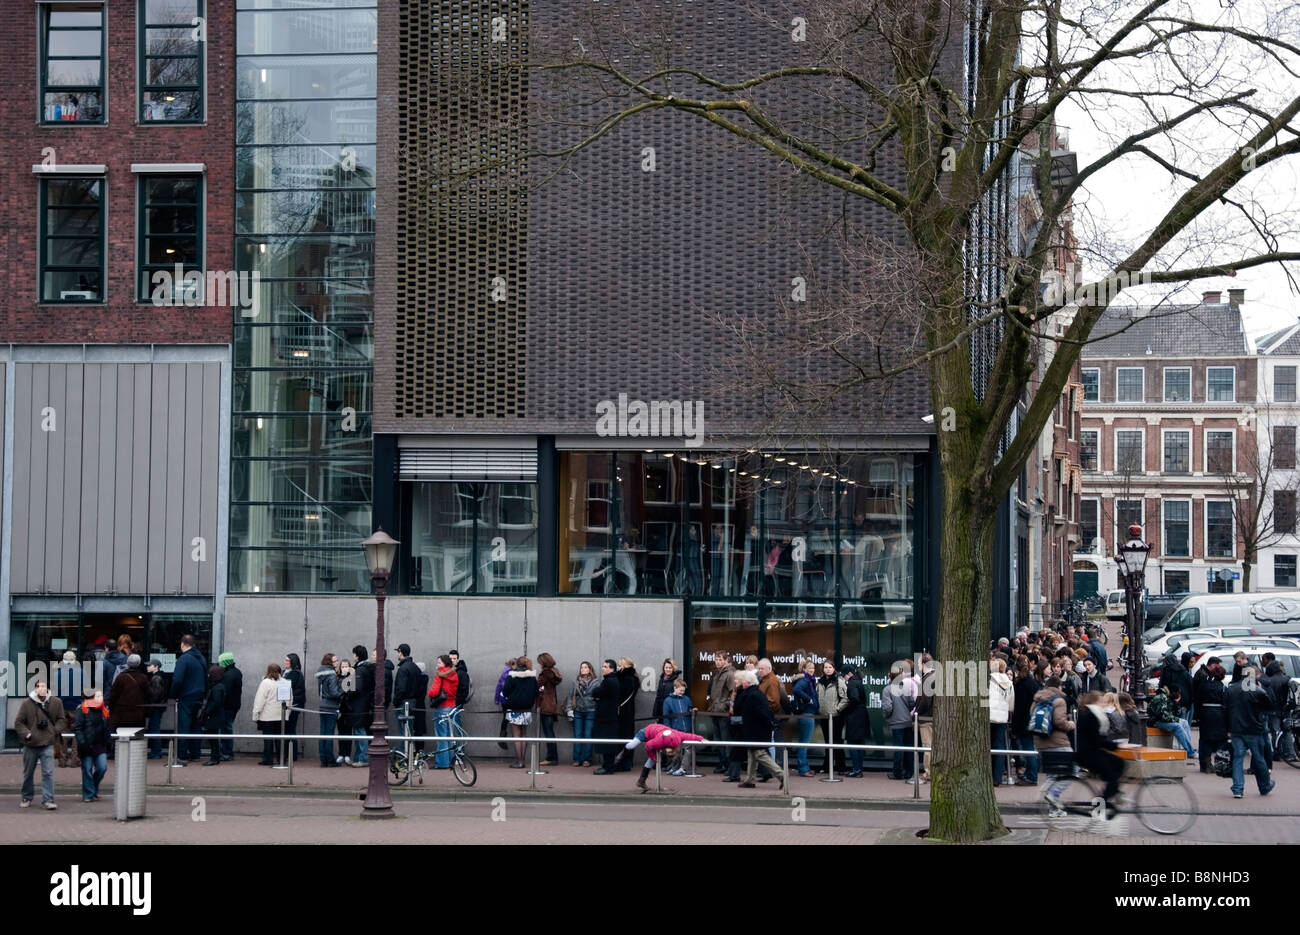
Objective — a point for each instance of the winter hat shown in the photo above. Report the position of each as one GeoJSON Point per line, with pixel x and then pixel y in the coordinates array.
{"type": "Point", "coordinates": [226, 659]}
{"type": "Point", "coordinates": [133, 661]}
{"type": "Point", "coordinates": [69, 656]}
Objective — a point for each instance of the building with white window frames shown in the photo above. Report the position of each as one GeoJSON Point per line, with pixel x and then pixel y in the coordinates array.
{"type": "Point", "coordinates": [1277, 415]}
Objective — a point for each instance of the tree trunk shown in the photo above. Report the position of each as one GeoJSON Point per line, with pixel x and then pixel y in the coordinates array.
{"type": "Point", "coordinates": [1245, 576]}
{"type": "Point", "coordinates": [963, 807]}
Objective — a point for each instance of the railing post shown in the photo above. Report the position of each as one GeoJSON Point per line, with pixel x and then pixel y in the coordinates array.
{"type": "Point", "coordinates": [291, 764]}
{"type": "Point", "coordinates": [690, 751]}
{"type": "Point", "coordinates": [532, 772]}
{"type": "Point", "coordinates": [785, 770]}
{"type": "Point", "coordinates": [659, 783]}
{"type": "Point", "coordinates": [830, 750]}
{"type": "Point", "coordinates": [171, 758]}
{"type": "Point", "coordinates": [916, 757]}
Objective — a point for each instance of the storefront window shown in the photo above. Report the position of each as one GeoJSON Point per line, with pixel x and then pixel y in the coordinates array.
{"type": "Point", "coordinates": [718, 627]}
{"type": "Point", "coordinates": [473, 538]}
{"type": "Point", "coordinates": [874, 635]}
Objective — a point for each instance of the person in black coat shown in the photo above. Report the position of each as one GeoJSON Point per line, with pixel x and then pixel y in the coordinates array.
{"type": "Point", "coordinates": [234, 681]}
{"type": "Point", "coordinates": [628, 683]}
{"type": "Point", "coordinates": [293, 672]}
{"type": "Point", "coordinates": [361, 703]}
{"type": "Point", "coordinates": [1095, 744]}
{"type": "Point", "coordinates": [667, 677]}
{"type": "Point", "coordinates": [1211, 696]}
{"type": "Point", "coordinates": [857, 729]}
{"type": "Point", "coordinates": [409, 685]}
{"type": "Point", "coordinates": [756, 724]}
{"type": "Point", "coordinates": [606, 694]}
{"type": "Point", "coordinates": [1176, 676]}
{"type": "Point", "coordinates": [214, 711]}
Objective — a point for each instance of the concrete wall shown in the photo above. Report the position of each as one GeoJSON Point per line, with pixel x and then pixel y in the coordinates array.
{"type": "Point", "coordinates": [486, 630]}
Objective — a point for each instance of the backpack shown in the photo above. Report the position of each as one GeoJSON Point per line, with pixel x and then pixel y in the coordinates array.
{"type": "Point", "coordinates": [787, 704]}
{"type": "Point", "coordinates": [464, 689]}
{"type": "Point", "coordinates": [1221, 760]}
{"type": "Point", "coordinates": [1042, 717]}
{"type": "Point", "coordinates": [797, 704]}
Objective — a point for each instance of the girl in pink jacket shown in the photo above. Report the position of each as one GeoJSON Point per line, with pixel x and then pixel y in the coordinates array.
{"type": "Point", "coordinates": [656, 737]}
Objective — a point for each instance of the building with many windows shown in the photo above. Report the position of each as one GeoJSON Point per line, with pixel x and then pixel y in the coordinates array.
{"type": "Point", "coordinates": [1277, 415]}
{"type": "Point", "coordinates": [1167, 441]}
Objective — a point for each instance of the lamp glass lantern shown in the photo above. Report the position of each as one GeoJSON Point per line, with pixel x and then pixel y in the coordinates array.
{"type": "Point", "coordinates": [380, 550]}
{"type": "Point", "coordinates": [1132, 558]}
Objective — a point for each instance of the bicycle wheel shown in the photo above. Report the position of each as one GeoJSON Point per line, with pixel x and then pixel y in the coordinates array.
{"type": "Point", "coordinates": [399, 770]}
{"type": "Point", "coordinates": [462, 767]}
{"type": "Point", "coordinates": [1166, 806]}
{"type": "Point", "coordinates": [1074, 796]}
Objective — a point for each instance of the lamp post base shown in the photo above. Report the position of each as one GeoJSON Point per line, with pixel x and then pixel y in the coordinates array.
{"type": "Point", "coordinates": [379, 803]}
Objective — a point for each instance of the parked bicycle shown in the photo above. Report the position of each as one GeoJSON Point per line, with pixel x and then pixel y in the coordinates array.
{"type": "Point", "coordinates": [404, 759]}
{"type": "Point", "coordinates": [1164, 805]}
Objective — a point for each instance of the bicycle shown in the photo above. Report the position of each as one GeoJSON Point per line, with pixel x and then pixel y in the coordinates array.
{"type": "Point", "coordinates": [403, 760]}
{"type": "Point", "coordinates": [1291, 727]}
{"type": "Point", "coordinates": [1164, 805]}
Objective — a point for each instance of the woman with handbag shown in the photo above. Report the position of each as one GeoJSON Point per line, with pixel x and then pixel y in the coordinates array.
{"type": "Point", "coordinates": [442, 699]}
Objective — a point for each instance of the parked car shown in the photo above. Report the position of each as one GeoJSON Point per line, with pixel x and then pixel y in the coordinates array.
{"type": "Point", "coordinates": [1163, 643]}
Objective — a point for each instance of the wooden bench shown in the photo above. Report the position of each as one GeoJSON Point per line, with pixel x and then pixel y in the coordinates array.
{"type": "Point", "coordinates": [1159, 737]}
{"type": "Point", "coordinates": [1150, 761]}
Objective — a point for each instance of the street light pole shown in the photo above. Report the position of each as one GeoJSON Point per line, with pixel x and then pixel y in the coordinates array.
{"type": "Point", "coordinates": [380, 549]}
{"type": "Point", "coordinates": [1132, 562]}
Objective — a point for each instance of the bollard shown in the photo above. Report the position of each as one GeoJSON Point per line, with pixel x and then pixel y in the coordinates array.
{"type": "Point", "coordinates": [659, 784]}
{"type": "Point", "coordinates": [532, 772]}
{"type": "Point", "coordinates": [691, 753]}
{"type": "Point", "coordinates": [171, 758]}
{"type": "Point", "coordinates": [830, 752]}
{"type": "Point", "coordinates": [916, 758]}
{"type": "Point", "coordinates": [281, 757]}
{"type": "Point", "coordinates": [785, 770]}
{"type": "Point", "coordinates": [536, 769]}
{"type": "Point", "coordinates": [291, 764]}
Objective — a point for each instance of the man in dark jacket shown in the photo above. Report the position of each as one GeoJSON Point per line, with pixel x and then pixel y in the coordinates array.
{"type": "Point", "coordinates": [1176, 676]}
{"type": "Point", "coordinates": [1248, 703]}
{"type": "Point", "coordinates": [1093, 680]}
{"type": "Point", "coordinates": [606, 693]}
{"type": "Point", "coordinates": [1277, 684]}
{"type": "Point", "coordinates": [756, 724]}
{"type": "Point", "coordinates": [129, 696]}
{"type": "Point", "coordinates": [189, 684]}
{"type": "Point", "coordinates": [409, 686]}
{"type": "Point", "coordinates": [629, 682]}
{"type": "Point", "coordinates": [234, 682]}
{"type": "Point", "coordinates": [157, 704]}
{"type": "Point", "coordinates": [39, 723]}
{"type": "Point", "coordinates": [361, 703]}
{"type": "Point", "coordinates": [293, 673]}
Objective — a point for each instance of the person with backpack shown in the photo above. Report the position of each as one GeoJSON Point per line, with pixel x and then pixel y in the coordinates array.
{"type": "Point", "coordinates": [157, 703]}
{"type": "Point", "coordinates": [213, 711]}
{"type": "Point", "coordinates": [115, 661]}
{"type": "Point", "coordinates": [804, 707]}
{"type": "Point", "coordinates": [464, 687]}
{"type": "Point", "coordinates": [832, 699]}
{"type": "Point", "coordinates": [499, 699]}
{"type": "Point", "coordinates": [1051, 727]}
{"type": "Point", "coordinates": [520, 694]}
{"type": "Point", "coordinates": [90, 726]}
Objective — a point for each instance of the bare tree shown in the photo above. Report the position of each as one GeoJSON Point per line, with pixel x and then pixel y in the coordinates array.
{"type": "Point", "coordinates": [878, 120]}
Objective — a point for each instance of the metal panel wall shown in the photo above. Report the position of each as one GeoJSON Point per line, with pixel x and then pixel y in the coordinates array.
{"type": "Point", "coordinates": [110, 496]}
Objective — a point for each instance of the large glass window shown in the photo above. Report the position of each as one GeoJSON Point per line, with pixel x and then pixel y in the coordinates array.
{"type": "Point", "coordinates": [1220, 384]}
{"type": "Point", "coordinates": [1284, 384]}
{"type": "Point", "coordinates": [1219, 451]}
{"type": "Point", "coordinates": [1178, 527]}
{"type": "Point", "coordinates": [72, 62]}
{"type": "Point", "coordinates": [1284, 571]}
{"type": "Point", "coordinates": [1178, 384]}
{"type": "Point", "coordinates": [477, 538]}
{"type": "Point", "coordinates": [1283, 446]}
{"type": "Point", "coordinates": [170, 238]}
{"type": "Point", "coordinates": [171, 37]}
{"type": "Point", "coordinates": [1219, 539]}
{"type": "Point", "coordinates": [1088, 449]}
{"type": "Point", "coordinates": [1178, 452]}
{"type": "Point", "coordinates": [72, 240]}
{"type": "Point", "coordinates": [1091, 384]}
{"type": "Point", "coordinates": [1177, 581]}
{"type": "Point", "coordinates": [1284, 511]}
{"type": "Point", "coordinates": [1129, 384]}
{"type": "Point", "coordinates": [1128, 451]}
{"type": "Point", "coordinates": [1127, 513]}
{"type": "Point", "coordinates": [1089, 526]}
{"type": "Point", "coordinates": [305, 138]}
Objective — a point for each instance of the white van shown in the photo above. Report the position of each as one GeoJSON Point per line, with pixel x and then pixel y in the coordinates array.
{"type": "Point", "coordinates": [1269, 613]}
{"type": "Point", "coordinates": [1117, 605]}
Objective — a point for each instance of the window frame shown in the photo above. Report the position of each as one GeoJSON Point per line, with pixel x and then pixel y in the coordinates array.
{"type": "Point", "coordinates": [1284, 555]}
{"type": "Point", "coordinates": [1096, 453]}
{"type": "Point", "coordinates": [1292, 383]}
{"type": "Point", "coordinates": [1232, 527]}
{"type": "Point", "coordinates": [1277, 527]}
{"type": "Point", "coordinates": [1233, 383]}
{"type": "Point", "coordinates": [1164, 466]}
{"type": "Point", "coordinates": [1205, 450]}
{"type": "Point", "coordinates": [44, 11]}
{"type": "Point", "coordinates": [1086, 542]}
{"type": "Point", "coordinates": [1142, 394]}
{"type": "Point", "coordinates": [1165, 388]}
{"type": "Point", "coordinates": [1185, 572]}
{"type": "Point", "coordinates": [1275, 447]}
{"type": "Point", "coordinates": [1164, 527]}
{"type": "Point", "coordinates": [1083, 378]}
{"type": "Point", "coordinates": [42, 264]}
{"type": "Point", "coordinates": [1142, 457]}
{"type": "Point", "coordinates": [142, 70]}
{"type": "Point", "coordinates": [1117, 525]}
{"type": "Point", "coordinates": [143, 276]}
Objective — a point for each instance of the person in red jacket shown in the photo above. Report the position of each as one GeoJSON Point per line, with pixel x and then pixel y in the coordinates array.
{"type": "Point", "coordinates": [656, 737]}
{"type": "Point", "coordinates": [442, 698]}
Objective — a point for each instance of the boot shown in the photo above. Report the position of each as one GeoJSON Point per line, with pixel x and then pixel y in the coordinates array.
{"type": "Point", "coordinates": [621, 758]}
{"type": "Point", "coordinates": [640, 783]}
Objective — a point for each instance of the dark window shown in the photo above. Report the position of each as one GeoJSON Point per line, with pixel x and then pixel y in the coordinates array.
{"type": "Point", "coordinates": [1127, 513]}
{"type": "Point", "coordinates": [1178, 385]}
{"type": "Point", "coordinates": [1177, 582]}
{"type": "Point", "coordinates": [1088, 450]}
{"type": "Point", "coordinates": [1218, 452]}
{"type": "Point", "coordinates": [1128, 451]}
{"type": "Point", "coordinates": [1178, 527]}
{"type": "Point", "coordinates": [72, 240]}
{"type": "Point", "coordinates": [1220, 384]}
{"type": "Point", "coordinates": [1219, 539]}
{"type": "Point", "coordinates": [1284, 385]}
{"type": "Point", "coordinates": [171, 61]}
{"type": "Point", "coordinates": [1284, 511]}
{"type": "Point", "coordinates": [72, 63]}
{"type": "Point", "coordinates": [1284, 446]}
{"type": "Point", "coordinates": [171, 236]}
{"type": "Point", "coordinates": [1088, 530]}
{"type": "Point", "coordinates": [1129, 386]}
{"type": "Point", "coordinates": [1178, 453]}
{"type": "Point", "coordinates": [1091, 385]}
{"type": "Point", "coordinates": [1284, 571]}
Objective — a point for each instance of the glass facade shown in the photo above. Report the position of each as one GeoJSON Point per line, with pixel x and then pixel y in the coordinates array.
{"type": "Point", "coordinates": [473, 538]}
{"type": "Point", "coordinates": [301, 486]}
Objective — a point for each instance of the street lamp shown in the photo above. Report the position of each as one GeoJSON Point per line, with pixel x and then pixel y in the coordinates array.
{"type": "Point", "coordinates": [380, 549]}
{"type": "Point", "coordinates": [1132, 562]}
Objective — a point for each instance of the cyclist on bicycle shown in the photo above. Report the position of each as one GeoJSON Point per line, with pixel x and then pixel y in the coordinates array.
{"type": "Point", "coordinates": [1095, 746]}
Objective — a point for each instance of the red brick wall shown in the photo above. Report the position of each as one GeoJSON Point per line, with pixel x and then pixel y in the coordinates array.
{"type": "Point", "coordinates": [116, 144]}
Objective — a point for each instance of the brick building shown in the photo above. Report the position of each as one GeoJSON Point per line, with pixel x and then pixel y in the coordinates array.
{"type": "Point", "coordinates": [1166, 440]}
